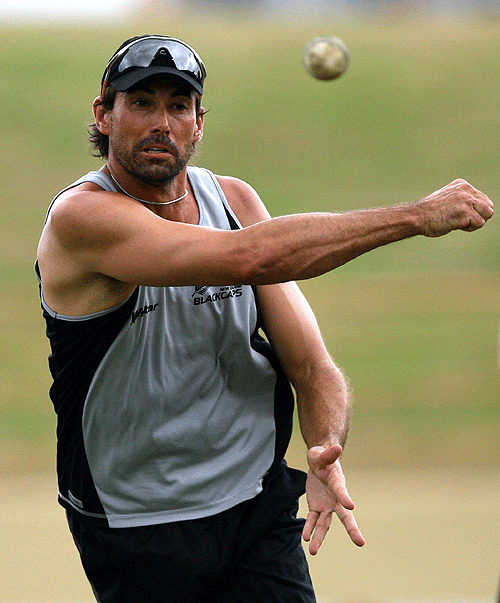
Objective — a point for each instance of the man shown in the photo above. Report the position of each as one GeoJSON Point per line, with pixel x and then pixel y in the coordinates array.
{"type": "Point", "coordinates": [174, 413]}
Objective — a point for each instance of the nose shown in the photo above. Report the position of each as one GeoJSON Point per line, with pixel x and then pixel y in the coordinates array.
{"type": "Point", "coordinates": [161, 122]}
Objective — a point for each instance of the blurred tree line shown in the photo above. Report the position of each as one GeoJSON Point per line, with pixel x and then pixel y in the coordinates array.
{"type": "Point", "coordinates": [439, 7]}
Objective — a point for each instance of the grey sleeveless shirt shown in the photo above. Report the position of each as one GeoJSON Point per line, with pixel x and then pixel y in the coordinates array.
{"type": "Point", "coordinates": [169, 406]}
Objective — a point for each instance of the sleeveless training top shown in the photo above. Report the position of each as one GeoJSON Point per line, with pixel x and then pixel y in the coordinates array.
{"type": "Point", "coordinates": [170, 406]}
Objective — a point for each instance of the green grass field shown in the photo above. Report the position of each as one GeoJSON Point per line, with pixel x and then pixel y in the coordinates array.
{"type": "Point", "coordinates": [413, 325]}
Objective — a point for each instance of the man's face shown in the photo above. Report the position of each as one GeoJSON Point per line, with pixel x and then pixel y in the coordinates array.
{"type": "Point", "coordinates": [153, 129]}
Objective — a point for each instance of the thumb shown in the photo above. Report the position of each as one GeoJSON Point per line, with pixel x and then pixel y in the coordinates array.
{"type": "Point", "coordinates": [331, 454]}
{"type": "Point", "coordinates": [319, 457]}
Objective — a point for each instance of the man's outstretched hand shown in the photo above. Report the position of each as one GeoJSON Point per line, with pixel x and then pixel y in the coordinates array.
{"type": "Point", "coordinates": [326, 494]}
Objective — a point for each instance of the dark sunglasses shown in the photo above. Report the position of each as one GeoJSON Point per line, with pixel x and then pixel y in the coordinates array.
{"type": "Point", "coordinates": [143, 52]}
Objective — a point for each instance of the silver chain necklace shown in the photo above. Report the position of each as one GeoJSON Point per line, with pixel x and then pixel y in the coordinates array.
{"type": "Point", "coordinates": [144, 200]}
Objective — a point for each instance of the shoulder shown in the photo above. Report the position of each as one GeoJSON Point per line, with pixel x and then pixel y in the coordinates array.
{"type": "Point", "coordinates": [235, 185]}
{"type": "Point", "coordinates": [87, 211]}
{"type": "Point", "coordinates": [243, 200]}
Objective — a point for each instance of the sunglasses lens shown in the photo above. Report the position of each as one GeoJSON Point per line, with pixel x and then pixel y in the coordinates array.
{"type": "Point", "coordinates": [146, 52]}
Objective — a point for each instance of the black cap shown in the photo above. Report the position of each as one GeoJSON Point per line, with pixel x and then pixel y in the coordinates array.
{"type": "Point", "coordinates": [143, 56]}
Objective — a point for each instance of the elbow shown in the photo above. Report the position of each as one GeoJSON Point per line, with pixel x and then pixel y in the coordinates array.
{"type": "Point", "coordinates": [261, 256]}
{"type": "Point", "coordinates": [259, 266]}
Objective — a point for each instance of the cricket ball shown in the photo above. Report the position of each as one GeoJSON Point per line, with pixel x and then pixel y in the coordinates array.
{"type": "Point", "coordinates": [326, 58]}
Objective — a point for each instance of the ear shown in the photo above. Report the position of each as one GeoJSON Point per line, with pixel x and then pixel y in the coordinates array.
{"type": "Point", "coordinates": [102, 116]}
{"type": "Point", "coordinates": [200, 120]}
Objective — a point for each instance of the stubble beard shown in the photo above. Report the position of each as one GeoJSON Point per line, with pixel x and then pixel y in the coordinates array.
{"type": "Point", "coordinates": [153, 173]}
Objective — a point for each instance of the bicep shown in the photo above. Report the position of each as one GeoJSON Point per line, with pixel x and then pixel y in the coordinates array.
{"type": "Point", "coordinates": [132, 245]}
{"type": "Point", "coordinates": [171, 254]}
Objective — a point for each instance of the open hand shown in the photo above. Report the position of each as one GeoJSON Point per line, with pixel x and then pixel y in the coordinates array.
{"type": "Point", "coordinates": [326, 493]}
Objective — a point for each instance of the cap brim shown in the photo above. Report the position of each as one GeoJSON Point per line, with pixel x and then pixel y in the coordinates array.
{"type": "Point", "coordinates": [129, 79]}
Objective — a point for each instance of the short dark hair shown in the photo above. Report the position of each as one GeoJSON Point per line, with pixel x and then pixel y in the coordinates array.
{"type": "Point", "coordinates": [98, 141]}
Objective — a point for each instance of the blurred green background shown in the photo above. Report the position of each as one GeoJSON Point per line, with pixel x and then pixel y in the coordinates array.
{"type": "Point", "coordinates": [414, 325]}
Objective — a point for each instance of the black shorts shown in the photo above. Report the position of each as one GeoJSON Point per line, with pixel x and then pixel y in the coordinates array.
{"type": "Point", "coordinates": [251, 553]}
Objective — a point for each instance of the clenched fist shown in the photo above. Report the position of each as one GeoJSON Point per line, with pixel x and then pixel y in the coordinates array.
{"type": "Point", "coordinates": [457, 206]}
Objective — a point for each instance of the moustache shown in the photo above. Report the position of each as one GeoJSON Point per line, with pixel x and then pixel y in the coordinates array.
{"type": "Point", "coordinates": [158, 141]}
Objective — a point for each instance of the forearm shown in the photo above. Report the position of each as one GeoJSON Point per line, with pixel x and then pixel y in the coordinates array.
{"type": "Point", "coordinates": [322, 242]}
{"type": "Point", "coordinates": [321, 389]}
{"type": "Point", "coordinates": [324, 407]}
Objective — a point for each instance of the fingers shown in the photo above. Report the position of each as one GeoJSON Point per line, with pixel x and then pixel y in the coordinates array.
{"type": "Point", "coordinates": [342, 495]}
{"type": "Point", "coordinates": [339, 489]}
{"type": "Point", "coordinates": [481, 208]}
{"type": "Point", "coordinates": [484, 207]}
{"type": "Point", "coordinates": [322, 463]}
{"type": "Point", "coordinates": [349, 522]}
{"type": "Point", "coordinates": [317, 526]}
{"type": "Point", "coordinates": [481, 212]}
{"type": "Point", "coordinates": [307, 531]}
{"type": "Point", "coordinates": [457, 206]}
{"type": "Point", "coordinates": [327, 493]}
{"type": "Point", "coordinates": [474, 223]}
{"type": "Point", "coordinates": [315, 529]}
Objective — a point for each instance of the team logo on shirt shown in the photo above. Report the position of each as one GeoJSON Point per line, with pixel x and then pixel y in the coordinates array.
{"type": "Point", "coordinates": [141, 311]}
{"type": "Point", "coordinates": [200, 295]}
{"type": "Point", "coordinates": [200, 291]}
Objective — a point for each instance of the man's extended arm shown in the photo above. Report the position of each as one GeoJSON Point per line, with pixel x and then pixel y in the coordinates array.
{"type": "Point", "coordinates": [108, 234]}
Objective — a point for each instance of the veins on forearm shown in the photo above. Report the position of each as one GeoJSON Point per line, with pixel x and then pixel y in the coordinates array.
{"type": "Point", "coordinates": [324, 412]}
